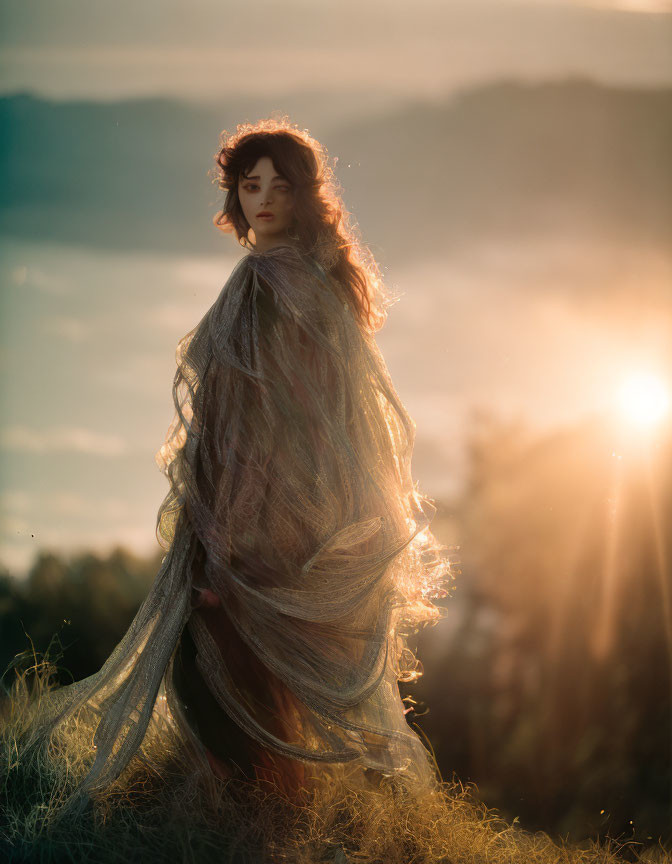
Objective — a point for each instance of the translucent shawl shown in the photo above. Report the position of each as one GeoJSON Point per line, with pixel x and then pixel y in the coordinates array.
{"type": "Point", "coordinates": [293, 532]}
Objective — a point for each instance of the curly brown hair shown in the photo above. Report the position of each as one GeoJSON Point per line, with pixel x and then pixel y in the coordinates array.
{"type": "Point", "coordinates": [321, 222]}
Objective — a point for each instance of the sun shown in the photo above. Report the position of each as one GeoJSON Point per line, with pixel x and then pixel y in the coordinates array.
{"type": "Point", "coordinates": [643, 399]}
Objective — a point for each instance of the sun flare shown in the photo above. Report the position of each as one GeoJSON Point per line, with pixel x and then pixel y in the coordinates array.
{"type": "Point", "coordinates": [643, 399]}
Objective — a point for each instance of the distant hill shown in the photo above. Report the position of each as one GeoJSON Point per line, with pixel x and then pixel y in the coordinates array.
{"type": "Point", "coordinates": [507, 158]}
{"type": "Point", "coordinates": [515, 158]}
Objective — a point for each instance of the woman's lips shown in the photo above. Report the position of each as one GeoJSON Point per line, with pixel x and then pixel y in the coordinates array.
{"type": "Point", "coordinates": [268, 216]}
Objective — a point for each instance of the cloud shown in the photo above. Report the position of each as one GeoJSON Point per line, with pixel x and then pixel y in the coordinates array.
{"type": "Point", "coordinates": [656, 7]}
{"type": "Point", "coordinates": [16, 500]}
{"type": "Point", "coordinates": [63, 439]}
{"type": "Point", "coordinates": [19, 503]}
{"type": "Point", "coordinates": [425, 48]}
{"type": "Point", "coordinates": [69, 328]}
{"type": "Point", "coordinates": [14, 525]}
{"type": "Point", "coordinates": [23, 276]}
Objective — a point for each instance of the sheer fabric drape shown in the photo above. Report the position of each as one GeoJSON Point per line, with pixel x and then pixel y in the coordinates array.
{"type": "Point", "coordinates": [299, 554]}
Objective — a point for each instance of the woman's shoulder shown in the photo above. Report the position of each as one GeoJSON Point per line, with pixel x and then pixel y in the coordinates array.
{"type": "Point", "coordinates": [298, 284]}
{"type": "Point", "coordinates": [287, 268]}
{"type": "Point", "coordinates": [274, 269]}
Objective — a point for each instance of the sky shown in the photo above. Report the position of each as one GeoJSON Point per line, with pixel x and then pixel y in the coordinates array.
{"type": "Point", "coordinates": [208, 50]}
{"type": "Point", "coordinates": [79, 468]}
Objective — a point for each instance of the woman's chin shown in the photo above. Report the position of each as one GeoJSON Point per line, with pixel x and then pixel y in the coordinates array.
{"type": "Point", "coordinates": [265, 239]}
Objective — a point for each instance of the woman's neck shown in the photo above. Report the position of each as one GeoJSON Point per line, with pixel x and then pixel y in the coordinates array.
{"type": "Point", "coordinates": [263, 244]}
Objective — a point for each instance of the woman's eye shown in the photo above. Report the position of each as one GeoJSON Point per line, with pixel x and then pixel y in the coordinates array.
{"type": "Point", "coordinates": [252, 187]}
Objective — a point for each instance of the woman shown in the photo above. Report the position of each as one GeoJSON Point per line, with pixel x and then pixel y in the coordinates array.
{"type": "Point", "coordinates": [298, 551]}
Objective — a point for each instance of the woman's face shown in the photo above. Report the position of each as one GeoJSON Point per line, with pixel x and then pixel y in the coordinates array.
{"type": "Point", "coordinates": [263, 191]}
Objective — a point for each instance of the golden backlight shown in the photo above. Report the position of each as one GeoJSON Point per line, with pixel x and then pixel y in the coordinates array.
{"type": "Point", "coordinates": [643, 399]}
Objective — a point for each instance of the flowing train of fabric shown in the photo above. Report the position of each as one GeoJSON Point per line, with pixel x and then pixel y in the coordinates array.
{"type": "Point", "coordinates": [291, 502]}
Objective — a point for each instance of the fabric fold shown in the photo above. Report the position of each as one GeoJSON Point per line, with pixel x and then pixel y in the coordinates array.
{"type": "Point", "coordinates": [292, 508]}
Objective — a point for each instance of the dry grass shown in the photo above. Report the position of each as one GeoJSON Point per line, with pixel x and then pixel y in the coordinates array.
{"type": "Point", "coordinates": [163, 809]}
